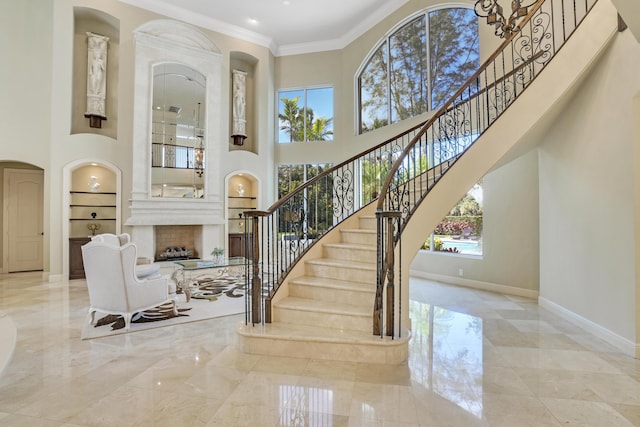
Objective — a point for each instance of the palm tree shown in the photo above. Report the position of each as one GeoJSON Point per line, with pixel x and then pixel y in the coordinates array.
{"type": "Point", "coordinates": [292, 120]}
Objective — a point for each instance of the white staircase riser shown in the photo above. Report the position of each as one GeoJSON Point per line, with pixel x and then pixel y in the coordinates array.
{"type": "Point", "coordinates": [333, 295]}
{"type": "Point", "coordinates": [341, 273]}
{"type": "Point", "coordinates": [359, 237]}
{"type": "Point", "coordinates": [367, 222]}
{"type": "Point", "coordinates": [350, 254]}
{"type": "Point", "coordinates": [328, 320]}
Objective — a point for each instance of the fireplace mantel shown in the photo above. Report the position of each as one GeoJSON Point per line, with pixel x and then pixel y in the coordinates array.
{"type": "Point", "coordinates": [175, 212]}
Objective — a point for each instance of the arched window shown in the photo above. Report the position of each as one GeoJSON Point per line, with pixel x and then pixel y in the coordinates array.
{"type": "Point", "coordinates": [418, 66]}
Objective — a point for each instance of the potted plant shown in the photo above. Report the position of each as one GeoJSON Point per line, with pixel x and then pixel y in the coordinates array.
{"type": "Point", "coordinates": [218, 255]}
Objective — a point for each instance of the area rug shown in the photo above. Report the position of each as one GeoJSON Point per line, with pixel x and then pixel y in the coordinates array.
{"type": "Point", "coordinates": [211, 296]}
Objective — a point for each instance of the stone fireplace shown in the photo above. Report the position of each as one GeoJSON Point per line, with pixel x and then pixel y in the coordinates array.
{"type": "Point", "coordinates": [176, 236]}
{"type": "Point", "coordinates": [166, 41]}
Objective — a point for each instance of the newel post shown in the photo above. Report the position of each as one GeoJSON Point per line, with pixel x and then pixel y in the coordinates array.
{"type": "Point", "coordinates": [385, 273]}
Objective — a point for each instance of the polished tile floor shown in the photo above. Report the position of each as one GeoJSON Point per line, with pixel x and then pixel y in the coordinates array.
{"type": "Point", "coordinates": [476, 359]}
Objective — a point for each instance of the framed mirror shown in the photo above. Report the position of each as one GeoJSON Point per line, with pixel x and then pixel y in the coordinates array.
{"type": "Point", "coordinates": [178, 144]}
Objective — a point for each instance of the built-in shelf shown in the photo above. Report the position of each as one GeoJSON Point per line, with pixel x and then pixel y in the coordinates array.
{"type": "Point", "coordinates": [242, 197]}
{"type": "Point", "coordinates": [88, 207]}
{"type": "Point", "coordinates": [92, 206]}
{"type": "Point", "coordinates": [92, 219]}
{"type": "Point", "coordinates": [91, 192]}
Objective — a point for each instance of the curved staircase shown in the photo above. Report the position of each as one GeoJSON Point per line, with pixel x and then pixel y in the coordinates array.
{"type": "Point", "coordinates": [321, 302]}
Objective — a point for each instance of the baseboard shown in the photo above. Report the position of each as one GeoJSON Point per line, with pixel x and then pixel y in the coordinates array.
{"type": "Point", "coordinates": [475, 284]}
{"type": "Point", "coordinates": [52, 278]}
{"type": "Point", "coordinates": [624, 345]}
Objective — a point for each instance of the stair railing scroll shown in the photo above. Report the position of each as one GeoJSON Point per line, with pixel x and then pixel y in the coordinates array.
{"type": "Point", "coordinates": [277, 238]}
{"type": "Point", "coordinates": [457, 125]}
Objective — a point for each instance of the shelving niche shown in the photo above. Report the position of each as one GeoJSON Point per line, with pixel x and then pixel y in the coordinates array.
{"type": "Point", "coordinates": [242, 196]}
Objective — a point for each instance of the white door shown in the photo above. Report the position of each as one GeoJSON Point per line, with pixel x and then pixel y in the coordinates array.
{"type": "Point", "coordinates": [24, 206]}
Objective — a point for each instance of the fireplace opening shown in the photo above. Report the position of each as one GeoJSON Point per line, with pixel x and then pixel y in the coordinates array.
{"type": "Point", "coordinates": [176, 242]}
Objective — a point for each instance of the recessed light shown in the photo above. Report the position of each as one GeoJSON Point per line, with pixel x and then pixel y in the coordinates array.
{"type": "Point", "coordinates": [253, 21]}
{"type": "Point", "coordinates": [286, 2]}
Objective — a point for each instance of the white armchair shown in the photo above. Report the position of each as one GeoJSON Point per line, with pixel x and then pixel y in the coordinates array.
{"type": "Point", "coordinates": [113, 286]}
{"type": "Point", "coordinates": [144, 267]}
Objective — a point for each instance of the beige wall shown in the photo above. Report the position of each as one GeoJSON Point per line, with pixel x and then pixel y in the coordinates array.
{"type": "Point", "coordinates": [38, 105]}
{"type": "Point", "coordinates": [510, 233]}
{"type": "Point", "coordinates": [339, 68]}
{"type": "Point", "coordinates": [588, 248]}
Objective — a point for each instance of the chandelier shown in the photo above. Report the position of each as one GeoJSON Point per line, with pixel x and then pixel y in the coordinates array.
{"type": "Point", "coordinates": [493, 11]}
{"type": "Point", "coordinates": [199, 149]}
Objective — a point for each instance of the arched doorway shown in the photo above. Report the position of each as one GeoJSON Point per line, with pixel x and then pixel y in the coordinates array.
{"type": "Point", "coordinates": [22, 217]}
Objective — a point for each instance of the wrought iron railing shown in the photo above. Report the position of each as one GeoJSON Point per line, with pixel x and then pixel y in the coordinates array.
{"type": "Point", "coordinates": [402, 169]}
{"type": "Point", "coordinates": [455, 127]}
{"type": "Point", "coordinates": [278, 237]}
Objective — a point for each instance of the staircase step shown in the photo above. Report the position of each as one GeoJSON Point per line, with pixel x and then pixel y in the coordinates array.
{"type": "Point", "coordinates": [314, 342]}
{"type": "Point", "coordinates": [359, 236]}
{"type": "Point", "coordinates": [303, 311]}
{"type": "Point", "coordinates": [367, 222]}
{"type": "Point", "coordinates": [350, 252]}
{"type": "Point", "coordinates": [332, 290]}
{"type": "Point", "coordinates": [351, 271]}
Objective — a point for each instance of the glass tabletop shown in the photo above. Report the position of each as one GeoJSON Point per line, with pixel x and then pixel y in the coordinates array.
{"type": "Point", "coordinates": [199, 264]}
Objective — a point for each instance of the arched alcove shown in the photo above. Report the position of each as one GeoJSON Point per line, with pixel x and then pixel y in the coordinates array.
{"type": "Point", "coordinates": [92, 194]}
{"type": "Point", "coordinates": [242, 195]}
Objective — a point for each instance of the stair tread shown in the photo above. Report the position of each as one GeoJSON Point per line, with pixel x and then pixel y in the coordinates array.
{"type": "Point", "coordinates": [359, 230]}
{"type": "Point", "coordinates": [333, 283]}
{"type": "Point", "coordinates": [356, 246]}
{"type": "Point", "coordinates": [334, 262]}
{"type": "Point", "coordinates": [306, 304]}
{"type": "Point", "coordinates": [308, 333]}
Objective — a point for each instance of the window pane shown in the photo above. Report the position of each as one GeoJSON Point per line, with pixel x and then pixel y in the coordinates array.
{"type": "Point", "coordinates": [408, 76]}
{"type": "Point", "coordinates": [460, 232]}
{"type": "Point", "coordinates": [373, 86]}
{"type": "Point", "coordinates": [319, 114]}
{"type": "Point", "coordinates": [453, 50]}
{"type": "Point", "coordinates": [289, 177]}
{"type": "Point", "coordinates": [291, 116]}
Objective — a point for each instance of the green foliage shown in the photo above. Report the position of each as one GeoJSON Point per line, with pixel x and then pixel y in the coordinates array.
{"type": "Point", "coordinates": [466, 206]}
{"type": "Point", "coordinates": [395, 85]}
{"type": "Point", "coordinates": [300, 123]}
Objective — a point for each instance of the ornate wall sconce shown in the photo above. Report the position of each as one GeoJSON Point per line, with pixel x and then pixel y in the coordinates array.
{"type": "Point", "coordinates": [494, 12]}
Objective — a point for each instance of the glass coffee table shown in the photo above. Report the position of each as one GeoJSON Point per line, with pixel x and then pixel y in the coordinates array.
{"type": "Point", "coordinates": [186, 270]}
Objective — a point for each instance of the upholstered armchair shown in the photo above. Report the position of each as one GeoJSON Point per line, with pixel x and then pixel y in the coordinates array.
{"type": "Point", "coordinates": [114, 287]}
{"type": "Point", "coordinates": [144, 267]}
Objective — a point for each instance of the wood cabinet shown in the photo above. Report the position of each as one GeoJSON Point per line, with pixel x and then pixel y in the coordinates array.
{"type": "Point", "coordinates": [237, 244]}
{"type": "Point", "coordinates": [76, 266]}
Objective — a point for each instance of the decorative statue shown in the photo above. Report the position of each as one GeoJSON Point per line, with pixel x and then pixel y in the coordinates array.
{"type": "Point", "coordinates": [96, 79]}
{"type": "Point", "coordinates": [239, 107]}
{"type": "Point", "coordinates": [240, 190]}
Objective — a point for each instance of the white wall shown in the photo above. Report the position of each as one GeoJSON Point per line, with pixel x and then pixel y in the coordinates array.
{"type": "Point", "coordinates": [588, 247]}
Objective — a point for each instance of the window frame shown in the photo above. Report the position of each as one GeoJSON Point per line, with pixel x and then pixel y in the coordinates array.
{"type": "Point", "coordinates": [305, 106]}
{"type": "Point", "coordinates": [384, 41]}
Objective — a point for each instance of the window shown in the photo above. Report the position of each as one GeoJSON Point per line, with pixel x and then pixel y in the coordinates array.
{"type": "Point", "coordinates": [418, 67]}
{"type": "Point", "coordinates": [460, 232]}
{"type": "Point", "coordinates": [305, 115]}
{"type": "Point", "coordinates": [311, 213]}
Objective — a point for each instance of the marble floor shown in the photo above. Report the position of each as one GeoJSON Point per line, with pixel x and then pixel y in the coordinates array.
{"type": "Point", "coordinates": [476, 359]}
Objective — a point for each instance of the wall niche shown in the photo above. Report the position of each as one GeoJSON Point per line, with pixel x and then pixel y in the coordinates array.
{"type": "Point", "coordinates": [93, 21]}
{"type": "Point", "coordinates": [244, 63]}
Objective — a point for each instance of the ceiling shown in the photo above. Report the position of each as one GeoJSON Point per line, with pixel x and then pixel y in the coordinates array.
{"type": "Point", "coordinates": [285, 26]}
